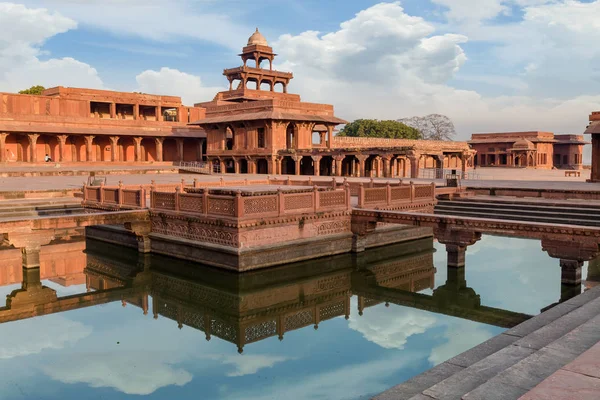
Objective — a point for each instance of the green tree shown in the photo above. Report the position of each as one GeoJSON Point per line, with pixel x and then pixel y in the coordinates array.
{"type": "Point", "coordinates": [380, 129]}
{"type": "Point", "coordinates": [33, 90]}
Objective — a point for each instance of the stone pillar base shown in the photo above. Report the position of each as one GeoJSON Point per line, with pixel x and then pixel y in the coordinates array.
{"type": "Point", "coordinates": [570, 272]}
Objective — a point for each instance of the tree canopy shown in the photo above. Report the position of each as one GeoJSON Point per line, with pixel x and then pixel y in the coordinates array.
{"type": "Point", "coordinates": [38, 89]}
{"type": "Point", "coordinates": [432, 126]}
{"type": "Point", "coordinates": [379, 129]}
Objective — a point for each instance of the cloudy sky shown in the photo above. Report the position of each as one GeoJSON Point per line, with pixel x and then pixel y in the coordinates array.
{"type": "Point", "coordinates": [491, 65]}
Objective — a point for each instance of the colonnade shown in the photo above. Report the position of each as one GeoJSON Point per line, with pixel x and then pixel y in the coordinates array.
{"type": "Point", "coordinates": [32, 147]}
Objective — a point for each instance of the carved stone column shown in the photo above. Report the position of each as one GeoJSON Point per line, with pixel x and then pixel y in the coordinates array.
{"type": "Point", "coordinates": [329, 136]}
{"type": "Point", "coordinates": [3, 146]}
{"type": "Point", "coordinates": [316, 165]}
{"type": "Point", "coordinates": [386, 165]}
{"type": "Point", "coordinates": [138, 148]}
{"type": "Point", "coordinates": [114, 143]}
{"type": "Point", "coordinates": [377, 162]}
{"type": "Point", "coordinates": [414, 159]}
{"type": "Point", "coordinates": [180, 149]}
{"type": "Point", "coordinates": [236, 165]}
{"type": "Point", "coordinates": [89, 140]}
{"type": "Point", "coordinates": [439, 166]}
{"type": "Point", "coordinates": [338, 165]}
{"type": "Point", "coordinates": [251, 165]}
{"type": "Point", "coordinates": [361, 164]}
{"type": "Point", "coordinates": [62, 143]}
{"type": "Point", "coordinates": [33, 137]}
{"type": "Point", "coordinates": [456, 244]}
{"type": "Point", "coordinates": [297, 161]}
{"type": "Point", "coordinates": [571, 255]}
{"type": "Point", "coordinates": [159, 148]}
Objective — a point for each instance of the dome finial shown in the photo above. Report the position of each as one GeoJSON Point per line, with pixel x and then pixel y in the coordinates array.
{"type": "Point", "coordinates": [257, 39]}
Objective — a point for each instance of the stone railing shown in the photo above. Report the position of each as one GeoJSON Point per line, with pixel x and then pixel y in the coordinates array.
{"type": "Point", "coordinates": [114, 196]}
{"type": "Point", "coordinates": [246, 205]}
{"type": "Point", "coordinates": [395, 195]}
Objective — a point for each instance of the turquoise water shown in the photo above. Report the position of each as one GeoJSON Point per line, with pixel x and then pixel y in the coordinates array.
{"type": "Point", "coordinates": [110, 351]}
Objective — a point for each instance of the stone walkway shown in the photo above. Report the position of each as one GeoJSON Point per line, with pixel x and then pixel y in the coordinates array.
{"type": "Point", "coordinates": [578, 380]}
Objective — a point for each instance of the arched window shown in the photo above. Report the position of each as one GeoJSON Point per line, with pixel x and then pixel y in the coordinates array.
{"type": "Point", "coordinates": [229, 137]}
{"type": "Point", "coordinates": [290, 136]}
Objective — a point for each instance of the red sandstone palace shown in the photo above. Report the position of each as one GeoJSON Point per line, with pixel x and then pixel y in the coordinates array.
{"type": "Point", "coordinates": [543, 150]}
{"type": "Point", "coordinates": [254, 127]}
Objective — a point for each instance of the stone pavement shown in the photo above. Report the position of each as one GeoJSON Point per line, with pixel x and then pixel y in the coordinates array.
{"type": "Point", "coordinates": [491, 177]}
{"type": "Point", "coordinates": [578, 380]}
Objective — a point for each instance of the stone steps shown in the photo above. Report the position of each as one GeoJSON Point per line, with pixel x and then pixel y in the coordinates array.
{"type": "Point", "coordinates": [574, 214]}
{"type": "Point", "coordinates": [510, 364]}
{"type": "Point", "coordinates": [40, 207]}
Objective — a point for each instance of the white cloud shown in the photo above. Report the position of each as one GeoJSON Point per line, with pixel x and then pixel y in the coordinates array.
{"type": "Point", "coordinates": [140, 373]}
{"type": "Point", "coordinates": [368, 378]}
{"type": "Point", "coordinates": [23, 338]}
{"type": "Point", "coordinates": [390, 328]}
{"type": "Point", "coordinates": [467, 11]}
{"type": "Point", "coordinates": [173, 82]}
{"type": "Point", "coordinates": [24, 32]}
{"type": "Point", "coordinates": [381, 71]}
{"type": "Point", "coordinates": [155, 19]}
{"type": "Point", "coordinates": [249, 364]}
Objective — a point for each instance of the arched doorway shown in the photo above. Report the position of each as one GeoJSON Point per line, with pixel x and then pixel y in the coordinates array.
{"type": "Point", "coordinates": [307, 166]}
{"type": "Point", "coordinates": [349, 165]}
{"type": "Point", "coordinates": [371, 166]}
{"type": "Point", "coordinates": [229, 138]}
{"type": "Point", "coordinates": [262, 166]}
{"type": "Point", "coordinates": [531, 162]}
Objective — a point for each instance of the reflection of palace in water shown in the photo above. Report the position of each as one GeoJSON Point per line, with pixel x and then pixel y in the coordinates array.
{"type": "Point", "coordinates": [249, 307]}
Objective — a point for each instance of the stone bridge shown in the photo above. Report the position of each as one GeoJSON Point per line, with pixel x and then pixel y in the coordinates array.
{"type": "Point", "coordinates": [572, 245]}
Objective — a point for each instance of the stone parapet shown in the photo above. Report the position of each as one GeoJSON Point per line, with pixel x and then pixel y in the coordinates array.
{"type": "Point", "coordinates": [419, 145]}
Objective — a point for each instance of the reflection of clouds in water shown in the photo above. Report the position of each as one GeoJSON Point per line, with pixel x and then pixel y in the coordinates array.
{"type": "Point", "coordinates": [248, 364]}
{"type": "Point", "coordinates": [342, 383]}
{"type": "Point", "coordinates": [391, 327]}
{"type": "Point", "coordinates": [32, 336]}
{"type": "Point", "coordinates": [65, 290]}
{"type": "Point", "coordinates": [130, 372]}
{"type": "Point", "coordinates": [460, 336]}
{"type": "Point", "coordinates": [509, 273]}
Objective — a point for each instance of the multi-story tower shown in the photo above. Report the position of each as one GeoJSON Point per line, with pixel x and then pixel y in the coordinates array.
{"type": "Point", "coordinates": [257, 126]}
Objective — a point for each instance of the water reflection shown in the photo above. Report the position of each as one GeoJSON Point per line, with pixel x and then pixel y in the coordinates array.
{"type": "Point", "coordinates": [343, 327]}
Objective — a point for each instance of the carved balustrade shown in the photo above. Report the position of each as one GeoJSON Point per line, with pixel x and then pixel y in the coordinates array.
{"type": "Point", "coordinates": [391, 195]}
{"type": "Point", "coordinates": [114, 197]}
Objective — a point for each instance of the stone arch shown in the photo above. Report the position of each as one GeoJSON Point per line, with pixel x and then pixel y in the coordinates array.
{"type": "Point", "coordinates": [371, 165]}
{"type": "Point", "coordinates": [47, 144]}
{"type": "Point", "coordinates": [531, 162]}
{"type": "Point", "coordinates": [229, 165]}
{"type": "Point", "coordinates": [307, 166]}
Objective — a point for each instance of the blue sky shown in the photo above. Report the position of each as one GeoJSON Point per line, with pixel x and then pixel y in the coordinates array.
{"type": "Point", "coordinates": [63, 356]}
{"type": "Point", "coordinates": [491, 65]}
